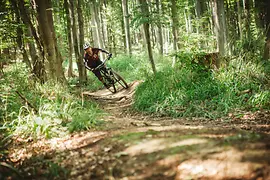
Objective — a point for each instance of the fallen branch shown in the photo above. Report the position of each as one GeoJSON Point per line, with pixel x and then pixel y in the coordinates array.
{"type": "Point", "coordinates": [26, 101]}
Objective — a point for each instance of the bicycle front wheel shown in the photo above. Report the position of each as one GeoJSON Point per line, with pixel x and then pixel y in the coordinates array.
{"type": "Point", "coordinates": [110, 85]}
{"type": "Point", "coordinates": [120, 79]}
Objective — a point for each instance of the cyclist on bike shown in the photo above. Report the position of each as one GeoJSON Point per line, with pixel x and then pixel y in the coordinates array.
{"type": "Point", "coordinates": [92, 60]}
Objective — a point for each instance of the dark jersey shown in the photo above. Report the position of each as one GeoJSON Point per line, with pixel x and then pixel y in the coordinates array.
{"type": "Point", "coordinates": [92, 61]}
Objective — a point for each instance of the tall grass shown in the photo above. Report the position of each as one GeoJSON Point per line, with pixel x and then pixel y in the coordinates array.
{"type": "Point", "coordinates": [189, 91]}
{"type": "Point", "coordinates": [56, 109]}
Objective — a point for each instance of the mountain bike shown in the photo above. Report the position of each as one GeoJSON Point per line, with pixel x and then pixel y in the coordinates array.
{"type": "Point", "coordinates": [110, 77]}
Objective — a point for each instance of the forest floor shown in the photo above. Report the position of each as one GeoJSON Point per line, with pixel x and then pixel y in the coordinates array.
{"type": "Point", "coordinates": [136, 146]}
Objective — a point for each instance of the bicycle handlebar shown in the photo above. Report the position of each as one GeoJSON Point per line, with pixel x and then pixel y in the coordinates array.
{"type": "Point", "coordinates": [104, 62]}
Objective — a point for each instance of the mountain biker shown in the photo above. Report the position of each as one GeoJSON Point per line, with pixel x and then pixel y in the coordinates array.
{"type": "Point", "coordinates": [92, 60]}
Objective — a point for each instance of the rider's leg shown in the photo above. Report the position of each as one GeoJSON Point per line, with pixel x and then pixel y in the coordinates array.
{"type": "Point", "coordinates": [98, 75]}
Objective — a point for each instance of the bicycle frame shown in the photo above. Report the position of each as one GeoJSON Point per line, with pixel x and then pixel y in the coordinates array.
{"type": "Point", "coordinates": [110, 76]}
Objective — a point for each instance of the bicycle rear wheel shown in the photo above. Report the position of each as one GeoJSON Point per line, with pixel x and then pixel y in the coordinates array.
{"type": "Point", "coordinates": [120, 79]}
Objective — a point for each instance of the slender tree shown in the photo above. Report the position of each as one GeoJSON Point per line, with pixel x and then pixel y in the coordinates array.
{"type": "Point", "coordinates": [126, 24]}
{"type": "Point", "coordinates": [20, 34]}
{"type": "Point", "coordinates": [38, 67]}
{"type": "Point", "coordinates": [160, 38]}
{"type": "Point", "coordinates": [264, 19]}
{"type": "Point", "coordinates": [219, 24]}
{"type": "Point", "coordinates": [96, 24]}
{"type": "Point", "coordinates": [239, 12]}
{"type": "Point", "coordinates": [145, 12]}
{"type": "Point", "coordinates": [175, 24]}
{"type": "Point", "coordinates": [69, 35]}
{"type": "Point", "coordinates": [81, 40]}
{"type": "Point", "coordinates": [76, 41]}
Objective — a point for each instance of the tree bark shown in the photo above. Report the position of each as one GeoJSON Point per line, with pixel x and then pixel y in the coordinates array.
{"type": "Point", "coordinates": [239, 12]}
{"type": "Point", "coordinates": [20, 40]}
{"type": "Point", "coordinates": [46, 27]}
{"type": "Point", "coordinates": [32, 49]}
{"type": "Point", "coordinates": [97, 24]}
{"type": "Point", "coordinates": [38, 66]}
{"type": "Point", "coordinates": [264, 19]}
{"type": "Point", "coordinates": [160, 38]}
{"type": "Point", "coordinates": [75, 41]}
{"type": "Point", "coordinates": [145, 11]}
{"type": "Point", "coordinates": [219, 25]}
{"type": "Point", "coordinates": [81, 38]}
{"type": "Point", "coordinates": [123, 30]}
{"type": "Point", "coordinates": [126, 23]}
{"type": "Point", "coordinates": [69, 35]}
{"type": "Point", "coordinates": [174, 28]}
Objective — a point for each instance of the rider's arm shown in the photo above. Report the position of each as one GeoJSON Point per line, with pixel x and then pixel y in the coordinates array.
{"type": "Point", "coordinates": [104, 51]}
{"type": "Point", "coordinates": [85, 64]}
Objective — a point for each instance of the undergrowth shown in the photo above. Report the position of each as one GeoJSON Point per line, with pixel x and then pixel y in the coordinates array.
{"type": "Point", "coordinates": [188, 90]}
{"type": "Point", "coordinates": [48, 110]}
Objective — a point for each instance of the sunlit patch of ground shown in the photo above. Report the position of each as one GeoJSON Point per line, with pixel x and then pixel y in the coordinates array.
{"type": "Point", "coordinates": [223, 165]}
{"type": "Point", "coordinates": [150, 146]}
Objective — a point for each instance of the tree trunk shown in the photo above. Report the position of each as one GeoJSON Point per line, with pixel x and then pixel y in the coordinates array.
{"type": "Point", "coordinates": [81, 42]}
{"type": "Point", "coordinates": [75, 41]}
{"type": "Point", "coordinates": [126, 23]}
{"type": "Point", "coordinates": [201, 28]}
{"type": "Point", "coordinates": [97, 24]}
{"type": "Point", "coordinates": [198, 12]}
{"type": "Point", "coordinates": [266, 54]}
{"type": "Point", "coordinates": [174, 28]}
{"type": "Point", "coordinates": [219, 25]}
{"type": "Point", "coordinates": [102, 26]}
{"type": "Point", "coordinates": [45, 19]}
{"type": "Point", "coordinates": [247, 18]}
{"type": "Point", "coordinates": [239, 12]}
{"type": "Point", "coordinates": [69, 35]}
{"type": "Point", "coordinates": [20, 33]}
{"type": "Point", "coordinates": [123, 30]}
{"type": "Point", "coordinates": [264, 22]}
{"type": "Point", "coordinates": [145, 11]}
{"type": "Point", "coordinates": [32, 48]}
{"type": "Point", "coordinates": [38, 66]}
{"type": "Point", "coordinates": [160, 38]}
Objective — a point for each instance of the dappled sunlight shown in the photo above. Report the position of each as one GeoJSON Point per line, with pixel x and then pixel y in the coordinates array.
{"type": "Point", "coordinates": [168, 128]}
{"type": "Point", "coordinates": [150, 146]}
{"type": "Point", "coordinates": [216, 135]}
{"type": "Point", "coordinates": [170, 160]}
{"type": "Point", "coordinates": [46, 146]}
{"type": "Point", "coordinates": [77, 141]}
{"type": "Point", "coordinates": [223, 165]}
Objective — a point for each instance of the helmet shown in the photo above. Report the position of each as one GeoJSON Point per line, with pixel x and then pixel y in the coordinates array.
{"type": "Point", "coordinates": [86, 46]}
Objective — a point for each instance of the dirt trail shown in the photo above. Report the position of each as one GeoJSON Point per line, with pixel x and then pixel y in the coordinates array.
{"type": "Point", "coordinates": [135, 146]}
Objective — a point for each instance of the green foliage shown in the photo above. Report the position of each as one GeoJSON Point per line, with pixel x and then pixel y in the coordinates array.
{"type": "Point", "coordinates": [131, 68]}
{"type": "Point", "coordinates": [54, 111]}
{"type": "Point", "coordinates": [190, 91]}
